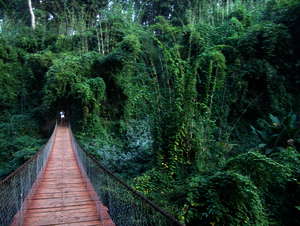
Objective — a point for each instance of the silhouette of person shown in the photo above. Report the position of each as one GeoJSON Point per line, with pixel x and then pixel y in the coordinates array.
{"type": "Point", "coordinates": [62, 117]}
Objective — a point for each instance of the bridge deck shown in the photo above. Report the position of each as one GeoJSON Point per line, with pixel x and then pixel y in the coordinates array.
{"type": "Point", "coordinates": [62, 196]}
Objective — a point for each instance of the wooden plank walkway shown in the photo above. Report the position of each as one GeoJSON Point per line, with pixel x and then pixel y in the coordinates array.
{"type": "Point", "coordinates": [62, 196]}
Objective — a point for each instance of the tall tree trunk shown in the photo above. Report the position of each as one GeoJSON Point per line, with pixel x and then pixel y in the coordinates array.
{"type": "Point", "coordinates": [31, 14]}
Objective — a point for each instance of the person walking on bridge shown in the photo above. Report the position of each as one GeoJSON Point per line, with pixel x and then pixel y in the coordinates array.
{"type": "Point", "coordinates": [62, 117]}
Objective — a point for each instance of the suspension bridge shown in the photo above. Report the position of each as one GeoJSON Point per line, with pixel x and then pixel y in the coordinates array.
{"type": "Point", "coordinates": [64, 185]}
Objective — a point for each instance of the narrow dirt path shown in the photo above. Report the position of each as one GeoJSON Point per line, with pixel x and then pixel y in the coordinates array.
{"type": "Point", "coordinates": [62, 197]}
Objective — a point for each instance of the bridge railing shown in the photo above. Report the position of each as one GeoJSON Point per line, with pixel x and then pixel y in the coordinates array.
{"type": "Point", "coordinates": [127, 207]}
{"type": "Point", "coordinates": [18, 186]}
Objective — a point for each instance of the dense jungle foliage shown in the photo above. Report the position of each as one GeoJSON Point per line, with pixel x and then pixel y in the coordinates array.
{"type": "Point", "coordinates": [195, 103]}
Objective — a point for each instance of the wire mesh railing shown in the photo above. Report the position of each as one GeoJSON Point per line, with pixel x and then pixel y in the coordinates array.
{"type": "Point", "coordinates": [126, 206]}
{"type": "Point", "coordinates": [18, 186]}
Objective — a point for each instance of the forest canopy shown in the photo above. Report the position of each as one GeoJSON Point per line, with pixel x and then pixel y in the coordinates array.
{"type": "Point", "coordinates": [195, 103]}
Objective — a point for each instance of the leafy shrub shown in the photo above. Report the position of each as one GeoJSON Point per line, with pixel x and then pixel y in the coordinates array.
{"type": "Point", "coordinates": [264, 172]}
{"type": "Point", "coordinates": [40, 62]}
{"type": "Point", "coordinates": [265, 41]}
{"type": "Point", "coordinates": [276, 133]}
{"type": "Point", "coordinates": [275, 178]}
{"type": "Point", "coordinates": [131, 45]}
{"type": "Point", "coordinates": [242, 15]}
{"type": "Point", "coordinates": [68, 77]}
{"type": "Point", "coordinates": [225, 198]}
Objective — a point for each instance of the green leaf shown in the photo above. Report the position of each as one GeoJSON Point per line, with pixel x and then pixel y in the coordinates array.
{"type": "Point", "coordinates": [274, 119]}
